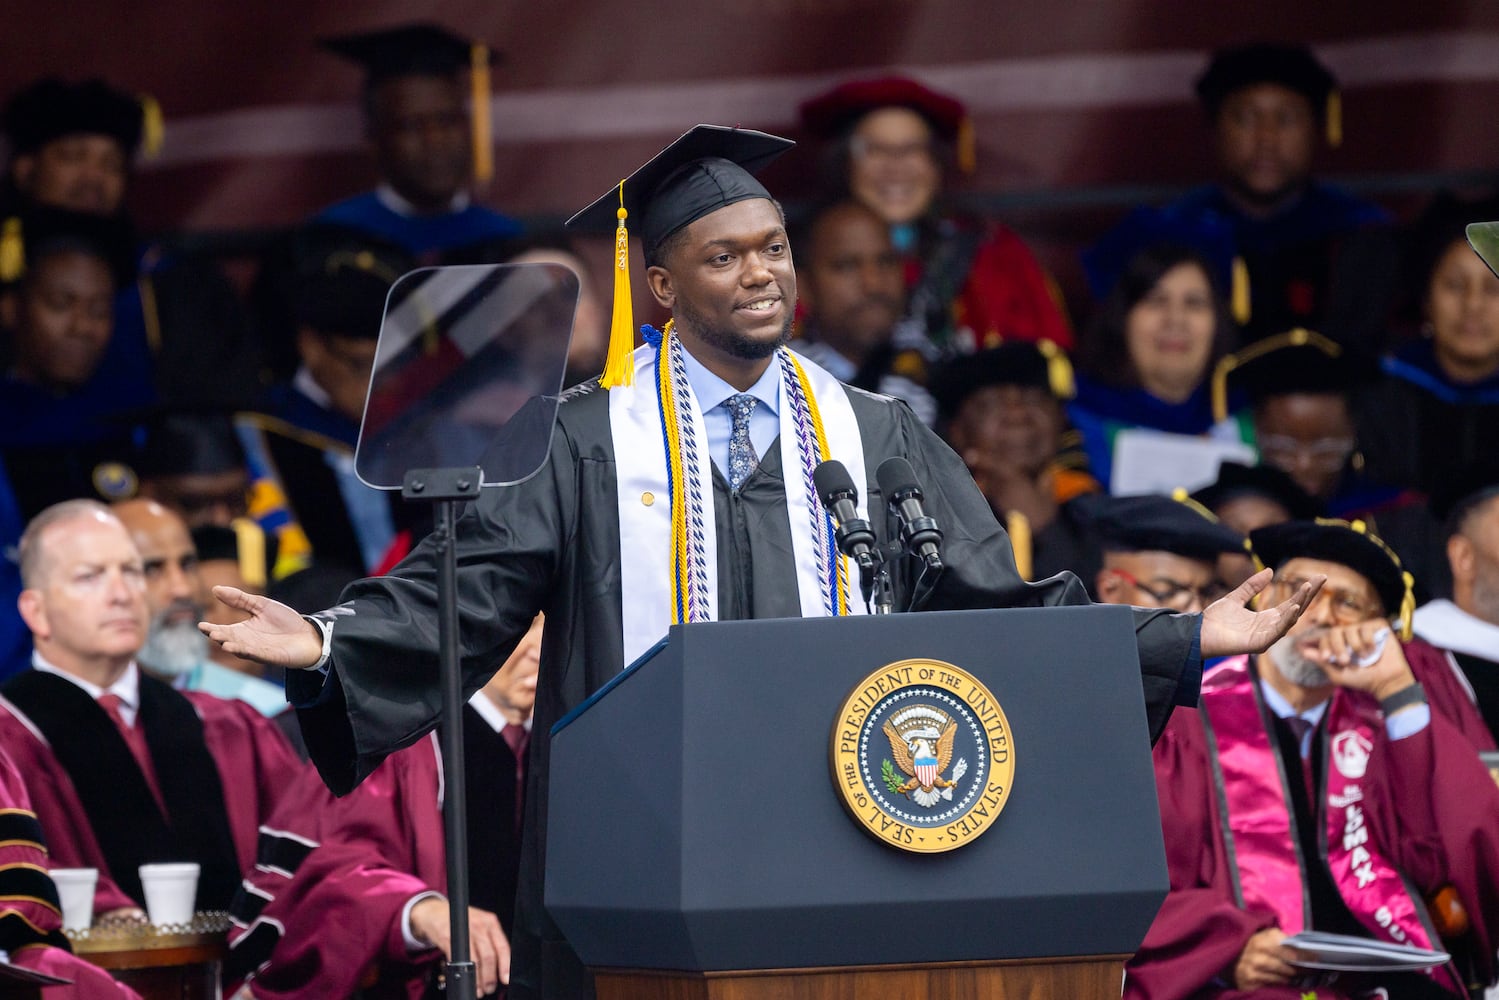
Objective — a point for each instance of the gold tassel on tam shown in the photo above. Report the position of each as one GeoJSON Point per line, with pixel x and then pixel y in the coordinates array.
{"type": "Point", "coordinates": [1019, 527]}
{"type": "Point", "coordinates": [12, 251]}
{"type": "Point", "coordinates": [968, 147]}
{"type": "Point", "coordinates": [249, 539]}
{"type": "Point", "coordinates": [1058, 370]}
{"type": "Point", "coordinates": [1334, 118]}
{"type": "Point", "coordinates": [1407, 608]}
{"type": "Point", "coordinates": [483, 140]}
{"type": "Point", "coordinates": [153, 126]}
{"type": "Point", "coordinates": [619, 369]}
{"type": "Point", "coordinates": [1239, 293]}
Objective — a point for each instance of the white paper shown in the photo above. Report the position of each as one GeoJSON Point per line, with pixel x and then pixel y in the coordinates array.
{"type": "Point", "coordinates": [1156, 462]}
{"type": "Point", "coordinates": [1342, 953]}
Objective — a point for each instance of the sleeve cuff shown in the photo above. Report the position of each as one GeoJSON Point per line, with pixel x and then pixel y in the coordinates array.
{"type": "Point", "coordinates": [1189, 686]}
{"type": "Point", "coordinates": [1407, 723]}
{"type": "Point", "coordinates": [412, 944]}
{"type": "Point", "coordinates": [309, 688]}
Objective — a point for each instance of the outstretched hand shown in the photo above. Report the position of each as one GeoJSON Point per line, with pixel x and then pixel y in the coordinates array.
{"type": "Point", "coordinates": [274, 634]}
{"type": "Point", "coordinates": [1231, 627]}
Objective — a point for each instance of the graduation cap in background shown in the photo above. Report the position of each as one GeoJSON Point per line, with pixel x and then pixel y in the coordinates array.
{"type": "Point", "coordinates": [244, 543]}
{"type": "Point", "coordinates": [1155, 523]}
{"type": "Point", "coordinates": [344, 277]}
{"type": "Point", "coordinates": [709, 167]}
{"type": "Point", "coordinates": [1236, 480]}
{"type": "Point", "coordinates": [828, 115]}
{"type": "Point", "coordinates": [1459, 493]}
{"type": "Point", "coordinates": [1348, 543]}
{"type": "Point", "coordinates": [1036, 364]}
{"type": "Point", "coordinates": [1294, 67]}
{"type": "Point", "coordinates": [425, 49]}
{"type": "Point", "coordinates": [52, 108]}
{"type": "Point", "coordinates": [1147, 226]}
{"type": "Point", "coordinates": [40, 231]}
{"type": "Point", "coordinates": [188, 442]}
{"type": "Point", "coordinates": [1296, 362]}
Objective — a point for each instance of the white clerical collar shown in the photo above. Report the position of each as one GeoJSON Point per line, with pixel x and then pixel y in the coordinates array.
{"type": "Point", "coordinates": [490, 712]}
{"type": "Point", "coordinates": [388, 197]}
{"type": "Point", "coordinates": [1447, 626]}
{"type": "Point", "coordinates": [127, 687]}
{"type": "Point", "coordinates": [711, 390]}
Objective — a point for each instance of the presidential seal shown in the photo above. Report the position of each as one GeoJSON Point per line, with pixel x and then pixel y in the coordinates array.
{"type": "Point", "coordinates": [922, 756]}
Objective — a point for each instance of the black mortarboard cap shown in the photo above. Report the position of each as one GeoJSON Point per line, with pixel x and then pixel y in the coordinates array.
{"type": "Point", "coordinates": [344, 278]}
{"type": "Point", "coordinates": [189, 442]}
{"type": "Point", "coordinates": [1236, 480]}
{"type": "Point", "coordinates": [1291, 66]}
{"type": "Point", "coordinates": [709, 167]}
{"type": "Point", "coordinates": [1348, 543]}
{"type": "Point", "coordinates": [52, 108]}
{"type": "Point", "coordinates": [245, 543]}
{"type": "Point", "coordinates": [1155, 523]}
{"type": "Point", "coordinates": [405, 50]}
{"type": "Point", "coordinates": [1038, 364]}
{"type": "Point", "coordinates": [42, 230]}
{"type": "Point", "coordinates": [1463, 490]}
{"type": "Point", "coordinates": [1295, 362]}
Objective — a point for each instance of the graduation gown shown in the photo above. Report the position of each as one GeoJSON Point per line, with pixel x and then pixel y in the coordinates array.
{"type": "Point", "coordinates": [323, 904]}
{"type": "Point", "coordinates": [30, 913]}
{"type": "Point", "coordinates": [1435, 831]}
{"type": "Point", "coordinates": [1470, 647]}
{"type": "Point", "coordinates": [220, 764]}
{"type": "Point", "coordinates": [440, 238]}
{"type": "Point", "coordinates": [553, 544]}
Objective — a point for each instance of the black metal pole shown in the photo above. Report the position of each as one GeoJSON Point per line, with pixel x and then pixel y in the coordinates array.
{"type": "Point", "coordinates": [460, 971]}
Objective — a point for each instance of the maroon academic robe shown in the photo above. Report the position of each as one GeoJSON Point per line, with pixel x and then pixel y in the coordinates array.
{"type": "Point", "coordinates": [30, 920]}
{"type": "Point", "coordinates": [253, 763]}
{"type": "Point", "coordinates": [1437, 832]}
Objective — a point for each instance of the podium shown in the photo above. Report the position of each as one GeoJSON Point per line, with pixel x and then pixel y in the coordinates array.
{"type": "Point", "coordinates": [697, 845]}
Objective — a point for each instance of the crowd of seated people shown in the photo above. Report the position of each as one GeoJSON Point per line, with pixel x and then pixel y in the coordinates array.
{"type": "Point", "coordinates": [163, 430]}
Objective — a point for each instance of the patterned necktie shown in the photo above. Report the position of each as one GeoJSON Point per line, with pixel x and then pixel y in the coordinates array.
{"type": "Point", "coordinates": [516, 738]}
{"type": "Point", "coordinates": [135, 739]}
{"type": "Point", "coordinates": [742, 457]}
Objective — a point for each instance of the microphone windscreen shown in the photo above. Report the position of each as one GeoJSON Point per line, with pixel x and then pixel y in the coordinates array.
{"type": "Point", "coordinates": [895, 475]}
{"type": "Point", "coordinates": [831, 478]}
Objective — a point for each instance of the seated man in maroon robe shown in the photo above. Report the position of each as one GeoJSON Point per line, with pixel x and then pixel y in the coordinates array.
{"type": "Point", "coordinates": [349, 891]}
{"type": "Point", "coordinates": [124, 770]}
{"type": "Point", "coordinates": [1331, 783]}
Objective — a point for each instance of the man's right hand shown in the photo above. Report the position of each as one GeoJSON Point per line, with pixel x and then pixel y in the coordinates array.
{"type": "Point", "coordinates": [1265, 961]}
{"type": "Point", "coordinates": [274, 634]}
{"type": "Point", "coordinates": [487, 943]}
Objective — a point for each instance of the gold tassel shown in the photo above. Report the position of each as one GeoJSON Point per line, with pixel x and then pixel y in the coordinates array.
{"type": "Point", "coordinates": [1058, 370]}
{"type": "Point", "coordinates": [1334, 118]}
{"type": "Point", "coordinates": [968, 146]}
{"type": "Point", "coordinates": [12, 251]}
{"type": "Point", "coordinates": [1226, 364]}
{"type": "Point", "coordinates": [1239, 292]}
{"type": "Point", "coordinates": [1019, 527]}
{"type": "Point", "coordinates": [1407, 607]}
{"type": "Point", "coordinates": [153, 126]}
{"type": "Point", "coordinates": [483, 140]}
{"type": "Point", "coordinates": [249, 540]}
{"type": "Point", "coordinates": [619, 368]}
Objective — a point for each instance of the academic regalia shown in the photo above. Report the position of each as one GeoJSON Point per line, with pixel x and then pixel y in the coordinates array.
{"type": "Point", "coordinates": [220, 765]}
{"type": "Point", "coordinates": [15, 637]}
{"type": "Point", "coordinates": [30, 913]}
{"type": "Point", "coordinates": [1470, 646]}
{"type": "Point", "coordinates": [323, 906]}
{"type": "Point", "coordinates": [452, 237]}
{"type": "Point", "coordinates": [1436, 832]}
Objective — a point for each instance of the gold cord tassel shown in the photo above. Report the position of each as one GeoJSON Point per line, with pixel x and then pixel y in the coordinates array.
{"type": "Point", "coordinates": [1239, 293]}
{"type": "Point", "coordinates": [153, 126]}
{"type": "Point", "coordinates": [1058, 370]}
{"type": "Point", "coordinates": [12, 251]}
{"type": "Point", "coordinates": [619, 369]}
{"type": "Point", "coordinates": [1334, 118]}
{"type": "Point", "coordinates": [249, 540]}
{"type": "Point", "coordinates": [968, 146]}
{"type": "Point", "coordinates": [1019, 527]}
{"type": "Point", "coordinates": [478, 79]}
{"type": "Point", "coordinates": [1407, 607]}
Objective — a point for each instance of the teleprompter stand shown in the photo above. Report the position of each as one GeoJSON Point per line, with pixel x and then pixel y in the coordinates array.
{"type": "Point", "coordinates": [446, 490]}
{"type": "Point", "coordinates": [696, 847]}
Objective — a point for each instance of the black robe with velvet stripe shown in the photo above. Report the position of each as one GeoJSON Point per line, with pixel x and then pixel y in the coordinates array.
{"type": "Point", "coordinates": [552, 544]}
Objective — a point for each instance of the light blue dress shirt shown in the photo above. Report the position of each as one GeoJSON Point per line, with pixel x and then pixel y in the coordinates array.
{"type": "Point", "coordinates": [711, 391]}
{"type": "Point", "coordinates": [1396, 727]}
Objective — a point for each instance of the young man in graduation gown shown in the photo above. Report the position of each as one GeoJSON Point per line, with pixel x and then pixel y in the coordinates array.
{"type": "Point", "coordinates": [346, 886]}
{"type": "Point", "coordinates": [1330, 783]}
{"type": "Point", "coordinates": [589, 538]}
{"type": "Point", "coordinates": [1466, 628]}
{"type": "Point", "coordinates": [122, 769]}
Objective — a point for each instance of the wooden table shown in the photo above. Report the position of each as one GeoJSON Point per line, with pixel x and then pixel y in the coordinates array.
{"type": "Point", "coordinates": [172, 963]}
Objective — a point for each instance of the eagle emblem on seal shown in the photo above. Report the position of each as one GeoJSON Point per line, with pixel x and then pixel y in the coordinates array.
{"type": "Point", "coordinates": [921, 741]}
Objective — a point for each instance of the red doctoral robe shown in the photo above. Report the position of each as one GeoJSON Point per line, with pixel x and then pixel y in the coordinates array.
{"type": "Point", "coordinates": [253, 761]}
{"type": "Point", "coordinates": [1434, 815]}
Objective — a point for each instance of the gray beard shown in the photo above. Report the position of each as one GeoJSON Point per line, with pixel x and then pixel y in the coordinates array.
{"type": "Point", "coordinates": [173, 650]}
{"type": "Point", "coordinates": [1293, 666]}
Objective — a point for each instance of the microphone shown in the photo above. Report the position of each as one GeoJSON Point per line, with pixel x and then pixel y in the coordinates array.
{"type": "Point", "coordinates": [854, 535]}
{"type": "Point", "coordinates": [919, 532]}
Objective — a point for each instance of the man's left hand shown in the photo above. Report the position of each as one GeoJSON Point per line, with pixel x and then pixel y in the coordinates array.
{"type": "Point", "coordinates": [1229, 627]}
{"type": "Point", "coordinates": [1364, 657]}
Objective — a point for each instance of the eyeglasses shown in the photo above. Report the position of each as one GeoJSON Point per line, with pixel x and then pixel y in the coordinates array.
{"type": "Point", "coordinates": [1174, 594]}
{"type": "Point", "coordinates": [883, 152]}
{"type": "Point", "coordinates": [1324, 454]}
{"type": "Point", "coordinates": [1347, 606]}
